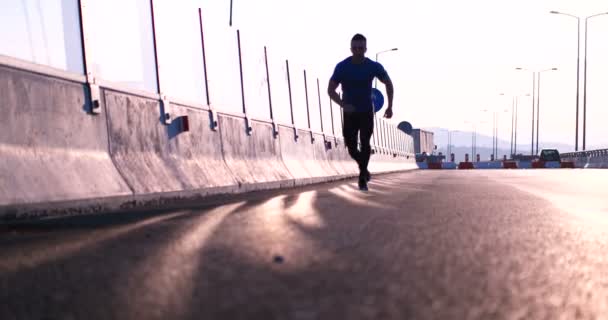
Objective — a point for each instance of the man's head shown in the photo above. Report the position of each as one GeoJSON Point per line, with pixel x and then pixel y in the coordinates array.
{"type": "Point", "coordinates": [358, 45]}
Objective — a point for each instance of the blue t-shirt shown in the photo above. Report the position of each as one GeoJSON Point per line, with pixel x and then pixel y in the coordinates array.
{"type": "Point", "coordinates": [356, 81]}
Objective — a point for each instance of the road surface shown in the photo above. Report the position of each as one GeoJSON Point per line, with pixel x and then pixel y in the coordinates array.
{"type": "Point", "coordinates": [481, 244]}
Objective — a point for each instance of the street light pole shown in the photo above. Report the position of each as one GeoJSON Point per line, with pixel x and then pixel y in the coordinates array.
{"type": "Point", "coordinates": [230, 22]}
{"type": "Point", "coordinates": [585, 83]}
{"type": "Point", "coordinates": [516, 115]}
{"type": "Point", "coordinates": [448, 134]}
{"type": "Point", "coordinates": [496, 131]}
{"type": "Point", "coordinates": [533, 99]}
{"type": "Point", "coordinates": [494, 152]}
{"type": "Point", "coordinates": [474, 135]}
{"type": "Point", "coordinates": [578, 66]}
{"type": "Point", "coordinates": [473, 143]}
{"type": "Point", "coordinates": [449, 140]}
{"type": "Point", "coordinates": [451, 132]}
{"type": "Point", "coordinates": [537, 111]}
{"type": "Point", "coordinates": [585, 92]}
{"type": "Point", "coordinates": [515, 134]}
{"type": "Point", "coordinates": [578, 53]}
{"type": "Point", "coordinates": [497, 120]}
{"type": "Point", "coordinates": [493, 131]}
{"type": "Point", "coordinates": [512, 123]}
{"type": "Point", "coordinates": [538, 105]}
{"type": "Point", "coordinates": [535, 92]}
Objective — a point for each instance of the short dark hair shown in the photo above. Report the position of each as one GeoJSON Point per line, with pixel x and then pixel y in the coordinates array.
{"type": "Point", "coordinates": [358, 37]}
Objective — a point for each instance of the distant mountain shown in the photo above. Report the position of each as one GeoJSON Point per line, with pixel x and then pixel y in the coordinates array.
{"type": "Point", "coordinates": [461, 144]}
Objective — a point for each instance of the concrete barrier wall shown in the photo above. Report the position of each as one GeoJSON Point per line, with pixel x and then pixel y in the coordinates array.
{"type": "Point", "coordinates": [597, 163]}
{"type": "Point", "coordinates": [340, 159]}
{"type": "Point", "coordinates": [524, 164]}
{"type": "Point", "coordinates": [253, 159]}
{"type": "Point", "coordinates": [579, 162]}
{"type": "Point", "coordinates": [50, 149]}
{"type": "Point", "coordinates": [158, 158]}
{"type": "Point", "coordinates": [488, 165]}
{"type": "Point", "coordinates": [589, 162]}
{"type": "Point", "coordinates": [322, 156]}
{"type": "Point", "coordinates": [299, 156]}
{"type": "Point", "coordinates": [57, 158]}
{"type": "Point", "coordinates": [593, 159]}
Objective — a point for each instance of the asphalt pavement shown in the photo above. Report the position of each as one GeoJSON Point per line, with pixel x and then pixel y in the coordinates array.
{"type": "Point", "coordinates": [480, 244]}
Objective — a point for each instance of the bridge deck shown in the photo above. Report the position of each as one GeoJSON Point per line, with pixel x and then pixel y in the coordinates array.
{"type": "Point", "coordinates": [527, 244]}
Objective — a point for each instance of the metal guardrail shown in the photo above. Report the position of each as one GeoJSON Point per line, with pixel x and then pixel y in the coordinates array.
{"type": "Point", "coordinates": [586, 154]}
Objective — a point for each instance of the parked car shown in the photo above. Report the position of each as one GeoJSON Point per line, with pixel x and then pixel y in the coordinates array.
{"type": "Point", "coordinates": [549, 155]}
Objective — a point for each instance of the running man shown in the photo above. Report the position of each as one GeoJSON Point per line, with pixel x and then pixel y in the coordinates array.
{"type": "Point", "coordinates": [356, 74]}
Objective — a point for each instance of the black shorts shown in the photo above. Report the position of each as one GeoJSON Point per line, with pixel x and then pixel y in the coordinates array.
{"type": "Point", "coordinates": [358, 123]}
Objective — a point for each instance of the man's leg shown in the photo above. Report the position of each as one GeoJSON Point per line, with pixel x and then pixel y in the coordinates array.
{"type": "Point", "coordinates": [367, 129]}
{"type": "Point", "coordinates": [350, 131]}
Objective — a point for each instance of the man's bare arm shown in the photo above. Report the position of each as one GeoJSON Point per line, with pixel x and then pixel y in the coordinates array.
{"type": "Point", "coordinates": [333, 94]}
{"type": "Point", "coordinates": [389, 92]}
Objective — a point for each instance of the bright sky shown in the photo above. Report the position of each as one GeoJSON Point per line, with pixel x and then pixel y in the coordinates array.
{"type": "Point", "coordinates": [454, 57]}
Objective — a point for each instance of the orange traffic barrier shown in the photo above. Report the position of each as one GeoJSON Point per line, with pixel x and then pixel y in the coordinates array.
{"type": "Point", "coordinates": [509, 164]}
{"type": "Point", "coordinates": [434, 165]}
{"type": "Point", "coordinates": [538, 164]}
{"type": "Point", "coordinates": [465, 165]}
{"type": "Point", "coordinates": [567, 164]}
